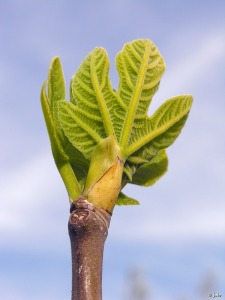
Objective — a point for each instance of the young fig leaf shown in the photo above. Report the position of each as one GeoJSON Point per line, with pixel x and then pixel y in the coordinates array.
{"type": "Point", "coordinates": [57, 149]}
{"type": "Point", "coordinates": [56, 82]}
{"type": "Point", "coordinates": [162, 128]}
{"type": "Point", "coordinates": [102, 133]}
{"type": "Point", "coordinates": [140, 67]}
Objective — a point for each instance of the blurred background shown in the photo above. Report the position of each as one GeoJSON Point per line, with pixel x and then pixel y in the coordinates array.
{"type": "Point", "coordinates": [173, 245]}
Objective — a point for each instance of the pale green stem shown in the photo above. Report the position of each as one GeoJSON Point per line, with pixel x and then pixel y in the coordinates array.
{"type": "Point", "coordinates": [70, 180]}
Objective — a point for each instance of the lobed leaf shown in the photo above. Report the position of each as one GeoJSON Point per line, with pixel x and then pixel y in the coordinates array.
{"type": "Point", "coordinates": [162, 128]}
{"type": "Point", "coordinates": [140, 67]}
{"type": "Point", "coordinates": [95, 103]}
{"type": "Point", "coordinates": [56, 93]}
{"type": "Point", "coordinates": [82, 129]}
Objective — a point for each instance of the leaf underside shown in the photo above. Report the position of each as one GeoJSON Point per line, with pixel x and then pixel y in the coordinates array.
{"type": "Point", "coordinates": [97, 111]}
{"type": "Point", "coordinates": [148, 173]}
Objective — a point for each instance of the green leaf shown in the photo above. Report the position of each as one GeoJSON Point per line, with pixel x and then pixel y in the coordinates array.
{"type": "Point", "coordinates": [61, 149]}
{"type": "Point", "coordinates": [125, 200]}
{"type": "Point", "coordinates": [56, 82]}
{"type": "Point", "coordinates": [78, 162]}
{"type": "Point", "coordinates": [60, 156]}
{"type": "Point", "coordinates": [162, 128]}
{"type": "Point", "coordinates": [82, 130]}
{"type": "Point", "coordinates": [56, 92]}
{"type": "Point", "coordinates": [57, 149]}
{"type": "Point", "coordinates": [140, 67]}
{"type": "Point", "coordinates": [97, 111]}
{"type": "Point", "coordinates": [91, 115]}
{"type": "Point", "coordinates": [98, 117]}
{"type": "Point", "coordinates": [148, 173]}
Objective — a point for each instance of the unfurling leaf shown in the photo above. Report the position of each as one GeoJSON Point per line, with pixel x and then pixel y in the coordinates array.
{"type": "Point", "coordinates": [56, 82]}
{"type": "Point", "coordinates": [57, 149]}
{"type": "Point", "coordinates": [56, 92]}
{"type": "Point", "coordinates": [59, 143]}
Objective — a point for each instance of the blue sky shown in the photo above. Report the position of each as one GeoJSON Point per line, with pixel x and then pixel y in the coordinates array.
{"type": "Point", "coordinates": [177, 234]}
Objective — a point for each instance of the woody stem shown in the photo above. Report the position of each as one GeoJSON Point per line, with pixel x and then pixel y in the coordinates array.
{"type": "Point", "coordinates": [88, 229]}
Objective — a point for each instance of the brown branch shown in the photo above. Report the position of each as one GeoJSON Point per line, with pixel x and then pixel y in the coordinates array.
{"type": "Point", "coordinates": [88, 229]}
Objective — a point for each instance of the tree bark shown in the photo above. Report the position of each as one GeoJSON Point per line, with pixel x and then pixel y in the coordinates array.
{"type": "Point", "coordinates": [88, 229]}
